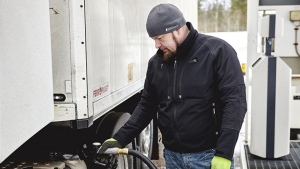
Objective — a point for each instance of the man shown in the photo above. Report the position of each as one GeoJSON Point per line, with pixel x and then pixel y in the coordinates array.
{"type": "Point", "coordinates": [189, 78]}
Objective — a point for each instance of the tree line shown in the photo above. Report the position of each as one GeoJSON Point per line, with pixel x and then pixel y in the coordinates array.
{"type": "Point", "coordinates": [222, 15]}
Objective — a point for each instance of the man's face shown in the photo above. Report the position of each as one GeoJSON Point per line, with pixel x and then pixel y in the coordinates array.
{"type": "Point", "coordinates": [167, 43]}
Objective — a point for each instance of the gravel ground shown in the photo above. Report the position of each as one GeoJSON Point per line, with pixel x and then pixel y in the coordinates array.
{"type": "Point", "coordinates": [160, 163]}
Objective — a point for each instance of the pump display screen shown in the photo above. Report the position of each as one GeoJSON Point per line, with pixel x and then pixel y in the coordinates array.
{"type": "Point", "coordinates": [279, 2]}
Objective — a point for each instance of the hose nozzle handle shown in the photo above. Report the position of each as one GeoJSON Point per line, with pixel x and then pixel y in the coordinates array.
{"type": "Point", "coordinates": [123, 151]}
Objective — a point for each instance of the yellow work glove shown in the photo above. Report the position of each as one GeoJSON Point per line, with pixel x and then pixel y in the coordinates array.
{"type": "Point", "coordinates": [110, 143]}
{"type": "Point", "coordinates": [220, 163]}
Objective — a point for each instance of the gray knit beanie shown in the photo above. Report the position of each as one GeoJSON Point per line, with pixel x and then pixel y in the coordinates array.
{"type": "Point", "coordinates": [164, 18]}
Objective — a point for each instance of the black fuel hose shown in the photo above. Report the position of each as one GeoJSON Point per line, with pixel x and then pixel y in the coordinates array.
{"type": "Point", "coordinates": [126, 151]}
{"type": "Point", "coordinates": [142, 157]}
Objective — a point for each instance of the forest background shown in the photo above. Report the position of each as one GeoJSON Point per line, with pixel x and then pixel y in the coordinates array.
{"type": "Point", "coordinates": [222, 15]}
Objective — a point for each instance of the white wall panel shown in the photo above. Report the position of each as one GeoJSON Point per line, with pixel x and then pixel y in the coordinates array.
{"type": "Point", "coordinates": [26, 90]}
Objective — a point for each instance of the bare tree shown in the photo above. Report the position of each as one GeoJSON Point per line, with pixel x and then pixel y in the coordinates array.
{"type": "Point", "coordinates": [222, 15]}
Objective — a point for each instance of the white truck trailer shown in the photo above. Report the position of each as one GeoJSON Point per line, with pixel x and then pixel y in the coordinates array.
{"type": "Point", "coordinates": [71, 73]}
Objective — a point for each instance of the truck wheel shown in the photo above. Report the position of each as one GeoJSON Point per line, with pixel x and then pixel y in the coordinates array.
{"type": "Point", "coordinates": [145, 141]}
{"type": "Point", "coordinates": [108, 126]}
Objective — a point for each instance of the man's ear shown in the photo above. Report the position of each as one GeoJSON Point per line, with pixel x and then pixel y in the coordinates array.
{"type": "Point", "coordinates": [178, 34]}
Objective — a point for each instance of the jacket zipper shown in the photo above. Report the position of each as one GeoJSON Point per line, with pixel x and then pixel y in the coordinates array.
{"type": "Point", "coordinates": [192, 61]}
{"type": "Point", "coordinates": [174, 86]}
{"type": "Point", "coordinates": [175, 63]}
{"type": "Point", "coordinates": [174, 89]}
{"type": "Point", "coordinates": [175, 110]}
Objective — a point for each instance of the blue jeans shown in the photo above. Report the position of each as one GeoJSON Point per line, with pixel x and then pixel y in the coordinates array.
{"type": "Point", "coordinates": [198, 160]}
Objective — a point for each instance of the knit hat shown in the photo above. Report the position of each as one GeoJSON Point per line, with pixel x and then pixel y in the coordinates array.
{"type": "Point", "coordinates": [164, 18]}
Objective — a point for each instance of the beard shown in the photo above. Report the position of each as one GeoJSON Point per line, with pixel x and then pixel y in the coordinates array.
{"type": "Point", "coordinates": [169, 54]}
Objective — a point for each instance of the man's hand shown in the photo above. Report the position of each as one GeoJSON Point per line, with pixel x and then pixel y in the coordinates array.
{"type": "Point", "coordinates": [220, 163]}
{"type": "Point", "coordinates": [110, 143]}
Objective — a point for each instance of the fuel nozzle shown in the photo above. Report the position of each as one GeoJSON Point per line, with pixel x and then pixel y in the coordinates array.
{"type": "Point", "coordinates": [103, 161]}
{"type": "Point", "coordinates": [95, 149]}
{"type": "Point", "coordinates": [96, 146]}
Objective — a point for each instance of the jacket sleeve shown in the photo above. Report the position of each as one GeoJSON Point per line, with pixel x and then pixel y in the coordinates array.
{"type": "Point", "coordinates": [143, 113]}
{"type": "Point", "coordinates": [230, 82]}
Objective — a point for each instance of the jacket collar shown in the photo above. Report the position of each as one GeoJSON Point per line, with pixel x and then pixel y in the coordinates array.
{"type": "Point", "coordinates": [189, 40]}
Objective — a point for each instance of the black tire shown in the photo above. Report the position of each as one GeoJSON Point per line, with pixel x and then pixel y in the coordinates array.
{"type": "Point", "coordinates": [108, 126]}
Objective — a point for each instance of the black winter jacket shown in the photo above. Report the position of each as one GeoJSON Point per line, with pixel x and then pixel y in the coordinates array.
{"type": "Point", "coordinates": [204, 77]}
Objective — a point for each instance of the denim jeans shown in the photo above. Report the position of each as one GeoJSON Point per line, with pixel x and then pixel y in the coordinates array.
{"type": "Point", "coordinates": [198, 160]}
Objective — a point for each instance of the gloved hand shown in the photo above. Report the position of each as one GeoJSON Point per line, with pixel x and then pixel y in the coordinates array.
{"type": "Point", "coordinates": [110, 143]}
{"type": "Point", "coordinates": [220, 163]}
